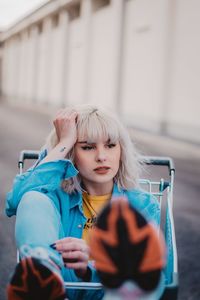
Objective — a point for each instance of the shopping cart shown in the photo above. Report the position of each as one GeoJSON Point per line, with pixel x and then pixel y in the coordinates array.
{"type": "Point", "coordinates": [163, 191]}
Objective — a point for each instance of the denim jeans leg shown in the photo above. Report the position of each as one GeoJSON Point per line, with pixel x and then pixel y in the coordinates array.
{"type": "Point", "coordinates": [38, 223]}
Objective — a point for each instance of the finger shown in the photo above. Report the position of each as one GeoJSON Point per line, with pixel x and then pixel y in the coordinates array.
{"type": "Point", "coordinates": [68, 111]}
{"type": "Point", "coordinates": [59, 114]}
{"type": "Point", "coordinates": [71, 116]}
{"type": "Point", "coordinates": [65, 117]}
{"type": "Point", "coordinates": [58, 117]}
{"type": "Point", "coordinates": [74, 115]}
{"type": "Point", "coordinates": [71, 246]}
{"type": "Point", "coordinates": [63, 112]}
{"type": "Point", "coordinates": [70, 239]}
{"type": "Point", "coordinates": [62, 116]}
{"type": "Point", "coordinates": [75, 256]}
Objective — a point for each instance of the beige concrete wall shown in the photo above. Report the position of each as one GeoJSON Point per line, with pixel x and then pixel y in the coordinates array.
{"type": "Point", "coordinates": [139, 57]}
{"type": "Point", "coordinates": [58, 35]}
{"type": "Point", "coordinates": [75, 62]}
{"type": "Point", "coordinates": [184, 85]}
{"type": "Point", "coordinates": [0, 77]}
{"type": "Point", "coordinates": [101, 57]}
{"type": "Point", "coordinates": [142, 62]}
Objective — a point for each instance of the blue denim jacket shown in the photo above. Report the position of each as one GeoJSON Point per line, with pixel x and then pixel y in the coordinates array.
{"type": "Point", "coordinates": [47, 177]}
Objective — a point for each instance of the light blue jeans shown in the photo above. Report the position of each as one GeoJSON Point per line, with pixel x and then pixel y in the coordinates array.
{"type": "Point", "coordinates": [38, 224]}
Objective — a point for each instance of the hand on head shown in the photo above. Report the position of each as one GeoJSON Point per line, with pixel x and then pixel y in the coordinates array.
{"type": "Point", "coordinates": [65, 126]}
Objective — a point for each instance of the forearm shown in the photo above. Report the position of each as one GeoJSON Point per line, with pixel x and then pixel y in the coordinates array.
{"type": "Point", "coordinates": [60, 151]}
{"type": "Point", "coordinates": [44, 178]}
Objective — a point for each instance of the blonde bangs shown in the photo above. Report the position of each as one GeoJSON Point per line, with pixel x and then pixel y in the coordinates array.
{"type": "Point", "coordinates": [96, 126]}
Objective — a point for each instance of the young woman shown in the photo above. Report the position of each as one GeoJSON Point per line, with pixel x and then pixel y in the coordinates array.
{"type": "Point", "coordinates": [87, 160]}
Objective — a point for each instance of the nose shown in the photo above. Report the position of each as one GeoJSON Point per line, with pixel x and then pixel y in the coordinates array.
{"type": "Point", "coordinates": [100, 155]}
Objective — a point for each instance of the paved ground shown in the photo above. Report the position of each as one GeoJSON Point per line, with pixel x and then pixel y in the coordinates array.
{"type": "Point", "coordinates": [26, 129]}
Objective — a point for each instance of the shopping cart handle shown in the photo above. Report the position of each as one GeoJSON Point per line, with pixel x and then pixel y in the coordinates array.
{"type": "Point", "coordinates": [27, 154]}
{"type": "Point", "coordinates": [160, 161]}
{"type": "Point", "coordinates": [149, 160]}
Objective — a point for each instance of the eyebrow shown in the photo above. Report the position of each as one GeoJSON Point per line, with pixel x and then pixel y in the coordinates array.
{"type": "Point", "coordinates": [86, 142]}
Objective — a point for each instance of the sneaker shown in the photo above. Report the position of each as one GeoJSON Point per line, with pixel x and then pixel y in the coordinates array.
{"type": "Point", "coordinates": [36, 279]}
{"type": "Point", "coordinates": [126, 247]}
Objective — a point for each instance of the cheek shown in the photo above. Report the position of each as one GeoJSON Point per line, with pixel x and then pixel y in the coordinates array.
{"type": "Point", "coordinates": [80, 161]}
{"type": "Point", "coordinates": [116, 158]}
{"type": "Point", "coordinates": [117, 155]}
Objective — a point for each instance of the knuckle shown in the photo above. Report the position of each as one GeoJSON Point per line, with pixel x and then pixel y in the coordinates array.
{"type": "Point", "coordinates": [73, 245]}
{"type": "Point", "coordinates": [64, 247]}
{"type": "Point", "coordinates": [70, 239]}
{"type": "Point", "coordinates": [64, 255]}
{"type": "Point", "coordinates": [80, 256]}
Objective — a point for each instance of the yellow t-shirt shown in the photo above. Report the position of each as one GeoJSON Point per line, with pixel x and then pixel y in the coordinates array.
{"type": "Point", "coordinates": [91, 207]}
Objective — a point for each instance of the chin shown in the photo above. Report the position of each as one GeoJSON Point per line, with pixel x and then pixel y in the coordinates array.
{"type": "Point", "coordinates": [103, 180]}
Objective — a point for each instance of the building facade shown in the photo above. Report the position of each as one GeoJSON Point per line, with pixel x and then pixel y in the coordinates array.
{"type": "Point", "coordinates": [138, 57]}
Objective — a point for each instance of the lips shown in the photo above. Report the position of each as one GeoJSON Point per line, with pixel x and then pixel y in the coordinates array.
{"type": "Point", "coordinates": [103, 168]}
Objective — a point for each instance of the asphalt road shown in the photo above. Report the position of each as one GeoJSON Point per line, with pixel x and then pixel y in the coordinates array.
{"type": "Point", "coordinates": [27, 129]}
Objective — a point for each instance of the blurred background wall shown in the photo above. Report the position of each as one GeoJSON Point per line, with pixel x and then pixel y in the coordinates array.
{"type": "Point", "coordinates": [139, 57]}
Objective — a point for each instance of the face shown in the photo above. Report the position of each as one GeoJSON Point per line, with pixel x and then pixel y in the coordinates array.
{"type": "Point", "coordinates": [98, 162]}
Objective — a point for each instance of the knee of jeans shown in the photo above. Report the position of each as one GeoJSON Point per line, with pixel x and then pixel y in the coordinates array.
{"type": "Point", "coordinates": [35, 201]}
{"type": "Point", "coordinates": [37, 221]}
{"type": "Point", "coordinates": [33, 198]}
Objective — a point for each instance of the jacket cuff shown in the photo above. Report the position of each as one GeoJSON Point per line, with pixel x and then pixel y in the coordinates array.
{"type": "Point", "coordinates": [63, 166]}
{"type": "Point", "coordinates": [94, 277]}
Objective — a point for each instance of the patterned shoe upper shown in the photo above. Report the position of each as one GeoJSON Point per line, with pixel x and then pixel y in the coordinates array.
{"type": "Point", "coordinates": [126, 247]}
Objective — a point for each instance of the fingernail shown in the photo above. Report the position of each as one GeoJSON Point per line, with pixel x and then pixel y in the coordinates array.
{"type": "Point", "coordinates": [53, 245]}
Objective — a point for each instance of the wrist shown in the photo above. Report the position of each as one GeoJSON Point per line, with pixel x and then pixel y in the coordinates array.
{"type": "Point", "coordinates": [60, 151]}
{"type": "Point", "coordinates": [63, 147]}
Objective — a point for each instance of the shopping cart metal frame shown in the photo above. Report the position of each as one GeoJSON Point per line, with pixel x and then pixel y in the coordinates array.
{"type": "Point", "coordinates": [156, 188]}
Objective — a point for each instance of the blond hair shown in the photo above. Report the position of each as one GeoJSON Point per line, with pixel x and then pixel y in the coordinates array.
{"type": "Point", "coordinates": [93, 124]}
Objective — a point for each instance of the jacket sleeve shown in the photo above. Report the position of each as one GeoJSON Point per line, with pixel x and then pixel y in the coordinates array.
{"type": "Point", "coordinates": [146, 204]}
{"type": "Point", "coordinates": [151, 209]}
{"type": "Point", "coordinates": [96, 294]}
{"type": "Point", "coordinates": [44, 178]}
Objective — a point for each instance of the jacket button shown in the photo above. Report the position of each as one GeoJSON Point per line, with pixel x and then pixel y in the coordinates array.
{"type": "Point", "coordinates": [79, 226]}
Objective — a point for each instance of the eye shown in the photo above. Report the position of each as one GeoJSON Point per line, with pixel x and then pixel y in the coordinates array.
{"type": "Point", "coordinates": [111, 145]}
{"type": "Point", "coordinates": [87, 147]}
